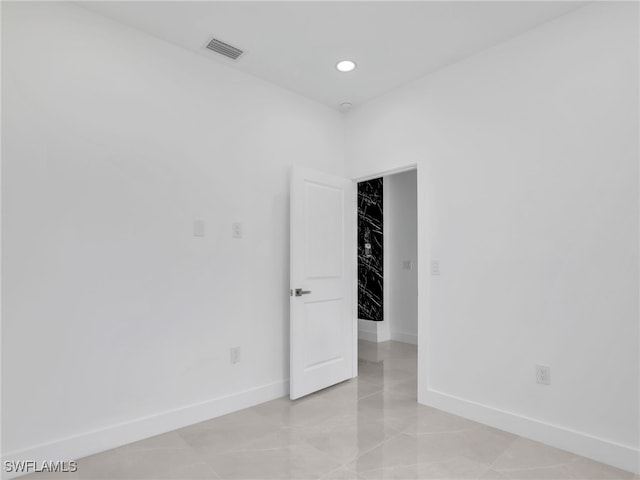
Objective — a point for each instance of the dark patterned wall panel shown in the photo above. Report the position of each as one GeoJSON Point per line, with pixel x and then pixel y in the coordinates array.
{"type": "Point", "coordinates": [370, 254]}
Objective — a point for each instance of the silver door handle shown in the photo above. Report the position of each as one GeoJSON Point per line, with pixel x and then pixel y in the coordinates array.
{"type": "Point", "coordinates": [300, 292]}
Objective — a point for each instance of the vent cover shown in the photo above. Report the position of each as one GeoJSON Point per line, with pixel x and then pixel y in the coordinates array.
{"type": "Point", "coordinates": [224, 49]}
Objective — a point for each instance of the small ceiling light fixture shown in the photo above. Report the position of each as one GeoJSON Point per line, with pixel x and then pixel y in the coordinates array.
{"type": "Point", "coordinates": [346, 65]}
{"type": "Point", "coordinates": [344, 106]}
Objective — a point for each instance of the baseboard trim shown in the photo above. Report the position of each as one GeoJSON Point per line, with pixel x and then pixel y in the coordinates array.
{"type": "Point", "coordinates": [580, 443]}
{"type": "Point", "coordinates": [368, 336]}
{"type": "Point", "coordinates": [404, 337]}
{"type": "Point", "coordinates": [89, 443]}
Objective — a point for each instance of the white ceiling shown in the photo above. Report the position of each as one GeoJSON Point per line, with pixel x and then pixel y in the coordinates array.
{"type": "Point", "coordinates": [297, 44]}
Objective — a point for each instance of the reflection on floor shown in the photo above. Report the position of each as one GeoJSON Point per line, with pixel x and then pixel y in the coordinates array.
{"type": "Point", "coordinates": [367, 428]}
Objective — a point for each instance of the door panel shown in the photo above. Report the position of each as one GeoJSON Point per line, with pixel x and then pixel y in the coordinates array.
{"type": "Point", "coordinates": [322, 326]}
{"type": "Point", "coordinates": [322, 322]}
{"type": "Point", "coordinates": [324, 222]}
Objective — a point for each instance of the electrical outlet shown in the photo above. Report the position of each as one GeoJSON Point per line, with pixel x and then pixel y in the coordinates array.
{"type": "Point", "coordinates": [236, 230]}
{"type": "Point", "coordinates": [543, 375]}
{"type": "Point", "coordinates": [235, 354]}
{"type": "Point", "coordinates": [435, 267]}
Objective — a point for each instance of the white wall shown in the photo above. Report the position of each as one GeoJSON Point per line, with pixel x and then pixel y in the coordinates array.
{"type": "Point", "coordinates": [527, 160]}
{"type": "Point", "coordinates": [401, 245]}
{"type": "Point", "coordinates": [117, 321]}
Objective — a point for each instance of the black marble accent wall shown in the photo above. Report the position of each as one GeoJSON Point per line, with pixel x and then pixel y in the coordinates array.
{"type": "Point", "coordinates": [370, 252]}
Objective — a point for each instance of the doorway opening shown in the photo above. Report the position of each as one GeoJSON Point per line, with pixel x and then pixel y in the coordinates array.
{"type": "Point", "coordinates": [387, 279]}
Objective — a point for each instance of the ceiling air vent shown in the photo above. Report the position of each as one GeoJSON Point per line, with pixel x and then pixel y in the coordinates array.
{"type": "Point", "coordinates": [224, 49]}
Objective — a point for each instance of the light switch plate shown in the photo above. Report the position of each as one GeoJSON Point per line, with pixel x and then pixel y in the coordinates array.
{"type": "Point", "coordinates": [198, 228]}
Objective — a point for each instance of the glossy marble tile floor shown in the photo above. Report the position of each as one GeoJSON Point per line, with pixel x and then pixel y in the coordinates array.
{"type": "Point", "coordinates": [367, 428]}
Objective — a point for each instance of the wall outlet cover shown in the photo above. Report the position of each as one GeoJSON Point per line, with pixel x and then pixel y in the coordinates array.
{"type": "Point", "coordinates": [234, 354]}
{"type": "Point", "coordinates": [543, 375]}
{"type": "Point", "coordinates": [236, 230]}
{"type": "Point", "coordinates": [435, 267]}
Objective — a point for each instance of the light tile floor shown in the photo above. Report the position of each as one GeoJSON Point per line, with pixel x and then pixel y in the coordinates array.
{"type": "Point", "coordinates": [367, 428]}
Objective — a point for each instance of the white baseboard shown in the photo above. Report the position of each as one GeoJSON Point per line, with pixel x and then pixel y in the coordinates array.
{"type": "Point", "coordinates": [599, 449]}
{"type": "Point", "coordinates": [411, 338]}
{"type": "Point", "coordinates": [89, 443]}
{"type": "Point", "coordinates": [368, 336]}
{"type": "Point", "coordinates": [383, 334]}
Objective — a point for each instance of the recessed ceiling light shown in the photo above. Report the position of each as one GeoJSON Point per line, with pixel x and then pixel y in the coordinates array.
{"type": "Point", "coordinates": [346, 65]}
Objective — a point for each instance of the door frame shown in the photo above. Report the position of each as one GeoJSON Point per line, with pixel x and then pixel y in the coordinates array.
{"type": "Point", "coordinates": [424, 283]}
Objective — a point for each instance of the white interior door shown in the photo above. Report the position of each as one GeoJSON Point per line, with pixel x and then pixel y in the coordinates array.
{"type": "Point", "coordinates": [322, 337]}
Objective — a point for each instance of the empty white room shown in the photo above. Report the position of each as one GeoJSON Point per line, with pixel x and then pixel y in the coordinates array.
{"type": "Point", "coordinates": [320, 240]}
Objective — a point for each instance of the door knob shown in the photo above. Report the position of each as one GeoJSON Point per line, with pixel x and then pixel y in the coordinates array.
{"type": "Point", "coordinates": [300, 292]}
